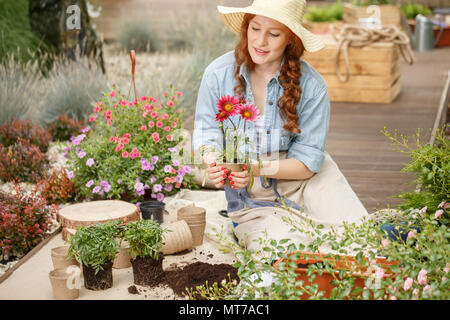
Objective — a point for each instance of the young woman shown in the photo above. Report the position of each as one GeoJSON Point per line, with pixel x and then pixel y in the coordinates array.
{"type": "Point", "coordinates": [266, 69]}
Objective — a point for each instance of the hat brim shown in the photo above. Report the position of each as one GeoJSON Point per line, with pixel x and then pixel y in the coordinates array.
{"type": "Point", "coordinates": [233, 17]}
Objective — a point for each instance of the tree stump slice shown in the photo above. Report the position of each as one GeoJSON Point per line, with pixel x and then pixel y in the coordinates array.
{"type": "Point", "coordinates": [89, 213]}
{"type": "Point", "coordinates": [67, 233]}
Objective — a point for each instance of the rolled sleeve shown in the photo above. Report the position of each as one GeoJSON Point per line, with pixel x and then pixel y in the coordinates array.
{"type": "Point", "coordinates": [206, 131]}
{"type": "Point", "coordinates": [314, 119]}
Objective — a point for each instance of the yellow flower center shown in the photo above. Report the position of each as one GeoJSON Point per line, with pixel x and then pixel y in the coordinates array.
{"type": "Point", "coordinates": [247, 114]}
{"type": "Point", "coordinates": [228, 107]}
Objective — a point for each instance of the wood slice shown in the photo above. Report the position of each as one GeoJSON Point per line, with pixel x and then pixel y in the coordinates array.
{"type": "Point", "coordinates": [89, 213]}
{"type": "Point", "coordinates": [68, 233]}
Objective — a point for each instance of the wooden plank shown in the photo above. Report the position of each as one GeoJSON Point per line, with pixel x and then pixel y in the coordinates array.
{"type": "Point", "coordinates": [375, 68]}
{"type": "Point", "coordinates": [389, 14]}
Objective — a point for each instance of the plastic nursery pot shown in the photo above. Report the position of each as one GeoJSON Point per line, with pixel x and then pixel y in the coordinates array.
{"type": "Point", "coordinates": [59, 258]}
{"type": "Point", "coordinates": [100, 281]}
{"type": "Point", "coordinates": [122, 260]}
{"type": "Point", "coordinates": [178, 238]}
{"type": "Point", "coordinates": [231, 167]}
{"type": "Point", "coordinates": [152, 210]}
{"type": "Point", "coordinates": [195, 217]}
{"type": "Point", "coordinates": [63, 284]}
{"type": "Point", "coordinates": [324, 280]}
{"type": "Point", "coordinates": [147, 271]}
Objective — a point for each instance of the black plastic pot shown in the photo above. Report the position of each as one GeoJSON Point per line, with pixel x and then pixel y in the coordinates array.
{"type": "Point", "coordinates": [152, 210]}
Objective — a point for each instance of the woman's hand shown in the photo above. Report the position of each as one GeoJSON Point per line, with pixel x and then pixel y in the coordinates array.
{"type": "Point", "coordinates": [217, 174]}
{"type": "Point", "coordinates": [240, 179]}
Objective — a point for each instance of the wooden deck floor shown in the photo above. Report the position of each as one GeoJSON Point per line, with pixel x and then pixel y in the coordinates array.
{"type": "Point", "coordinates": [364, 154]}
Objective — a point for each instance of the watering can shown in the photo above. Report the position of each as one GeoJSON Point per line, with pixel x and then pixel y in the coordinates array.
{"type": "Point", "coordinates": [423, 37]}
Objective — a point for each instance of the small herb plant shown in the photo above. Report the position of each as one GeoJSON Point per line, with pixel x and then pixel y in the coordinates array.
{"type": "Point", "coordinates": [144, 238]}
{"type": "Point", "coordinates": [95, 245]}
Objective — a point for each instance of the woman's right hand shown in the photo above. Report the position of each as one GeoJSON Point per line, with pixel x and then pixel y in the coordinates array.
{"type": "Point", "coordinates": [216, 174]}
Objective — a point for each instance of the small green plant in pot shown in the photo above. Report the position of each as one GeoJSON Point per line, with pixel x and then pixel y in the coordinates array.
{"type": "Point", "coordinates": [95, 247]}
{"type": "Point", "coordinates": [145, 241]}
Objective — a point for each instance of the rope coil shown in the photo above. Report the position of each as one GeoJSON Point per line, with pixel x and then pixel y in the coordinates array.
{"type": "Point", "coordinates": [351, 35]}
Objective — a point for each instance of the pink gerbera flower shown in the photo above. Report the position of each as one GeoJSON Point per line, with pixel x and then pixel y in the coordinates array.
{"type": "Point", "coordinates": [221, 116]}
{"type": "Point", "coordinates": [249, 112]}
{"type": "Point", "coordinates": [228, 104]}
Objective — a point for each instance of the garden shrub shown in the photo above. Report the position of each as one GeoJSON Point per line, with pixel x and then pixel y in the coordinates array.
{"type": "Point", "coordinates": [132, 150]}
{"type": "Point", "coordinates": [431, 166]}
{"type": "Point", "coordinates": [11, 131]}
{"type": "Point", "coordinates": [23, 160]}
{"type": "Point", "coordinates": [24, 221]}
{"type": "Point", "coordinates": [65, 127]}
{"type": "Point", "coordinates": [411, 10]}
{"type": "Point", "coordinates": [331, 12]}
{"type": "Point", "coordinates": [58, 188]}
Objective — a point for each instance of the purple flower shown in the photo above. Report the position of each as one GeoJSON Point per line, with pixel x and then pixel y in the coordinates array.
{"type": "Point", "coordinates": [119, 181]}
{"type": "Point", "coordinates": [90, 162]}
{"type": "Point", "coordinates": [70, 174]}
{"type": "Point", "coordinates": [66, 149]}
{"type": "Point", "coordinates": [187, 169]}
{"type": "Point", "coordinates": [146, 186]}
{"type": "Point", "coordinates": [97, 189]}
{"type": "Point", "coordinates": [160, 197]}
{"type": "Point", "coordinates": [81, 154]}
{"type": "Point", "coordinates": [179, 179]}
{"type": "Point", "coordinates": [78, 139]}
{"type": "Point", "coordinates": [171, 149]}
{"type": "Point", "coordinates": [85, 129]}
{"type": "Point", "coordinates": [154, 159]}
{"type": "Point", "coordinates": [104, 183]}
{"type": "Point", "coordinates": [152, 179]}
{"type": "Point", "coordinates": [89, 183]}
{"type": "Point", "coordinates": [157, 188]}
{"type": "Point", "coordinates": [167, 168]}
{"type": "Point", "coordinates": [175, 162]}
{"type": "Point", "coordinates": [153, 196]}
{"type": "Point", "coordinates": [145, 164]}
{"type": "Point", "coordinates": [181, 172]}
{"type": "Point", "coordinates": [107, 188]}
{"type": "Point", "coordinates": [168, 187]}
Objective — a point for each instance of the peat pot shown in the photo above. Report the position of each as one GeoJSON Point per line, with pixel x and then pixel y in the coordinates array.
{"type": "Point", "coordinates": [59, 258]}
{"type": "Point", "coordinates": [195, 217]}
{"type": "Point", "coordinates": [65, 283]}
{"type": "Point", "coordinates": [178, 238]}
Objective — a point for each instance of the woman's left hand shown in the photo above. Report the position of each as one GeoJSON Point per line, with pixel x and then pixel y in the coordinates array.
{"type": "Point", "coordinates": [240, 179]}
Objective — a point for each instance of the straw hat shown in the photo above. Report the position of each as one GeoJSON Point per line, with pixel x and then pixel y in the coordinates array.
{"type": "Point", "coordinates": [288, 12]}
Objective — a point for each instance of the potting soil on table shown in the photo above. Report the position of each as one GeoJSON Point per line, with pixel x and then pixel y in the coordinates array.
{"type": "Point", "coordinates": [194, 275]}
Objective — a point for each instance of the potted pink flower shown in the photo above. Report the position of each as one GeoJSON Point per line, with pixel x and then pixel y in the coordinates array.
{"type": "Point", "coordinates": [233, 136]}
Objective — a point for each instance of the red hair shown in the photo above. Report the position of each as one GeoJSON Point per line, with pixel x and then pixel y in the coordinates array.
{"type": "Point", "coordinates": [289, 74]}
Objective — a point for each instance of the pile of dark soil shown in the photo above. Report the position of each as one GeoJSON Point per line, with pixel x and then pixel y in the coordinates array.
{"type": "Point", "coordinates": [193, 275]}
{"type": "Point", "coordinates": [197, 274]}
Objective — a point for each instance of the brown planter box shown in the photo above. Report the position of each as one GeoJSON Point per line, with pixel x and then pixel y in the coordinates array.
{"type": "Point", "coordinates": [389, 14]}
{"type": "Point", "coordinates": [374, 72]}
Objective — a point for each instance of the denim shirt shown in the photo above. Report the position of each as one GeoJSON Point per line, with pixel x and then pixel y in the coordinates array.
{"type": "Point", "coordinates": [313, 112]}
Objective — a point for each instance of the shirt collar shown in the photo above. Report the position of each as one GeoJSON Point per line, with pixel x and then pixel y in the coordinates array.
{"type": "Point", "coordinates": [244, 72]}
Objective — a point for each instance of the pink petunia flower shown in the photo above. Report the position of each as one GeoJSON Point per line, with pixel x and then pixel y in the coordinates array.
{"type": "Point", "coordinates": [165, 116]}
{"type": "Point", "coordinates": [170, 104]}
{"type": "Point", "coordinates": [112, 94]}
{"type": "Point", "coordinates": [169, 137]}
{"type": "Point", "coordinates": [167, 128]}
{"type": "Point", "coordinates": [159, 124]}
{"type": "Point", "coordinates": [126, 140]}
{"type": "Point", "coordinates": [438, 213]}
{"type": "Point", "coordinates": [111, 139]}
{"type": "Point", "coordinates": [143, 98]}
{"type": "Point", "coordinates": [154, 114]}
{"type": "Point", "coordinates": [408, 284]}
{"type": "Point", "coordinates": [178, 93]}
{"type": "Point", "coordinates": [125, 154]}
{"type": "Point", "coordinates": [155, 136]}
{"type": "Point", "coordinates": [173, 124]}
{"type": "Point", "coordinates": [123, 102]}
{"type": "Point", "coordinates": [151, 124]}
{"type": "Point", "coordinates": [143, 128]}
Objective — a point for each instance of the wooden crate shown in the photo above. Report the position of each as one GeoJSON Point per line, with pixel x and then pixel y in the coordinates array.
{"type": "Point", "coordinates": [389, 14]}
{"type": "Point", "coordinates": [320, 27]}
{"type": "Point", "coordinates": [374, 72]}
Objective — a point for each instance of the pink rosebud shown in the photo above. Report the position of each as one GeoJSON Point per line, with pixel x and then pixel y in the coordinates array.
{"type": "Point", "coordinates": [170, 104]}
{"type": "Point", "coordinates": [422, 277]}
{"type": "Point", "coordinates": [167, 129]}
{"type": "Point", "coordinates": [408, 284]}
{"type": "Point", "coordinates": [125, 154]}
{"type": "Point", "coordinates": [438, 213]}
{"type": "Point", "coordinates": [112, 94]}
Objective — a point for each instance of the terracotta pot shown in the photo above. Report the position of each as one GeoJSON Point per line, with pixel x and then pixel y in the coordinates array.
{"type": "Point", "coordinates": [64, 284]}
{"type": "Point", "coordinates": [100, 281]}
{"type": "Point", "coordinates": [178, 239]}
{"type": "Point", "coordinates": [59, 258]}
{"type": "Point", "coordinates": [122, 260]}
{"type": "Point", "coordinates": [195, 217]}
{"type": "Point", "coordinates": [231, 167]}
{"type": "Point", "coordinates": [324, 280]}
